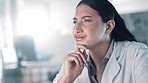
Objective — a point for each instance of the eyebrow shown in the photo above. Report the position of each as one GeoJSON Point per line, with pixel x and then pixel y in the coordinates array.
{"type": "Point", "coordinates": [83, 17]}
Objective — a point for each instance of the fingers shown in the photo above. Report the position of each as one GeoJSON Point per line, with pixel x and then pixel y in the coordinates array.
{"type": "Point", "coordinates": [83, 54]}
{"type": "Point", "coordinates": [82, 50]}
{"type": "Point", "coordinates": [76, 57]}
{"type": "Point", "coordinates": [79, 57]}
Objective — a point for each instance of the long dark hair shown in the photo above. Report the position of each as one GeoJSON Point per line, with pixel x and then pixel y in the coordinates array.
{"type": "Point", "coordinates": [107, 12]}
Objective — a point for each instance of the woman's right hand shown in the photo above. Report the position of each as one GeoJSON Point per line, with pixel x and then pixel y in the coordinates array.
{"type": "Point", "coordinates": [73, 65]}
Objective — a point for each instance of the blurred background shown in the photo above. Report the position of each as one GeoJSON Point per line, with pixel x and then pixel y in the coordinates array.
{"type": "Point", "coordinates": [35, 35]}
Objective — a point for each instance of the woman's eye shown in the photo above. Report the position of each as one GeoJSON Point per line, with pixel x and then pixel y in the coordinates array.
{"type": "Point", "coordinates": [87, 21]}
{"type": "Point", "coordinates": [74, 22]}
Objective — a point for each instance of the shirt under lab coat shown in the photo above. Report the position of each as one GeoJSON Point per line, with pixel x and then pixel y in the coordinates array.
{"type": "Point", "coordinates": [128, 64]}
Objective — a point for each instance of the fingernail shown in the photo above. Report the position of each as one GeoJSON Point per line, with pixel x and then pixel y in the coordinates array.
{"type": "Point", "coordinates": [82, 50]}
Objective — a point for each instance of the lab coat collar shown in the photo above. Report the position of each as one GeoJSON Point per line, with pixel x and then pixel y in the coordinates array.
{"type": "Point", "coordinates": [111, 70]}
{"type": "Point", "coordinates": [113, 67]}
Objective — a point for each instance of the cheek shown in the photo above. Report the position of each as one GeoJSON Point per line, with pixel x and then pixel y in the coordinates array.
{"type": "Point", "coordinates": [92, 35]}
{"type": "Point", "coordinates": [96, 34]}
{"type": "Point", "coordinates": [73, 32]}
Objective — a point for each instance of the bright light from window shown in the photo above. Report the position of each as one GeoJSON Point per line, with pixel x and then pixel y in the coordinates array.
{"type": "Point", "coordinates": [1, 36]}
{"type": "Point", "coordinates": [116, 1]}
{"type": "Point", "coordinates": [9, 55]}
{"type": "Point", "coordinates": [33, 22]}
{"type": "Point", "coordinates": [64, 31]}
{"type": "Point", "coordinates": [8, 31]}
{"type": "Point", "coordinates": [21, 2]}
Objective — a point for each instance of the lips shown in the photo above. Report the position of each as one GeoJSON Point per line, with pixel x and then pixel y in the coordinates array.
{"type": "Point", "coordinates": [79, 38]}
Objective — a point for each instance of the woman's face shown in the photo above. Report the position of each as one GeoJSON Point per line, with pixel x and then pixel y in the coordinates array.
{"type": "Point", "coordinates": [89, 29]}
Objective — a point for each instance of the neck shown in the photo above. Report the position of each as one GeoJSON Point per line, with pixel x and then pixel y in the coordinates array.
{"type": "Point", "coordinates": [99, 51]}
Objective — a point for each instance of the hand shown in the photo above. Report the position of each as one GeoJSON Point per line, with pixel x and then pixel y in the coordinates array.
{"type": "Point", "coordinates": [74, 63]}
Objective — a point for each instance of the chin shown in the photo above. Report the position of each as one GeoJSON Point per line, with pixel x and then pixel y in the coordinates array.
{"type": "Point", "coordinates": [83, 44]}
{"type": "Point", "coordinates": [80, 43]}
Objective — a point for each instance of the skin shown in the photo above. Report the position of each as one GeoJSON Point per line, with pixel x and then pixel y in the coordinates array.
{"type": "Point", "coordinates": [89, 32]}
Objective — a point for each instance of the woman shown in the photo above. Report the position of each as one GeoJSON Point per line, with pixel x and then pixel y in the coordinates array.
{"type": "Point", "coordinates": [114, 56]}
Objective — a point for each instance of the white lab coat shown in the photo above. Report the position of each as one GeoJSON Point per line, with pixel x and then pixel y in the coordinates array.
{"type": "Point", "coordinates": [128, 64]}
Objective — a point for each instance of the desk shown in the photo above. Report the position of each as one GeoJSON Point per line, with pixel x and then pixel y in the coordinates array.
{"type": "Point", "coordinates": [35, 71]}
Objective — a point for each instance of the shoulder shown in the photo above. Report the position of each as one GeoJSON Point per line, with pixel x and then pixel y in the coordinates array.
{"type": "Point", "coordinates": [131, 45]}
{"type": "Point", "coordinates": [133, 55]}
{"type": "Point", "coordinates": [133, 49]}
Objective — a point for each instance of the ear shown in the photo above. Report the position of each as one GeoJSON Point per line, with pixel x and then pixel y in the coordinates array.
{"type": "Point", "coordinates": [110, 26]}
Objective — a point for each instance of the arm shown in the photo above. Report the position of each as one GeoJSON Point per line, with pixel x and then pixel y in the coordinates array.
{"type": "Point", "coordinates": [141, 66]}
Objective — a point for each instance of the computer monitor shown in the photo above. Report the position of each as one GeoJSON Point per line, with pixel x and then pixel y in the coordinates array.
{"type": "Point", "coordinates": [25, 45]}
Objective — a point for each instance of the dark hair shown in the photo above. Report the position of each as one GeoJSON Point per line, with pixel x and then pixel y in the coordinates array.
{"type": "Point", "coordinates": [107, 12]}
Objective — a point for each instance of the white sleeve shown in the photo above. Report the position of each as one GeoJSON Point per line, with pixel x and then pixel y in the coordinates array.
{"type": "Point", "coordinates": [58, 76]}
{"type": "Point", "coordinates": [141, 66]}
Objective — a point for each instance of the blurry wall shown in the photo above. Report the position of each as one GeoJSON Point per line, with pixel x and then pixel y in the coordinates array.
{"type": "Point", "coordinates": [130, 6]}
{"type": "Point", "coordinates": [49, 23]}
{"type": "Point", "coordinates": [137, 23]}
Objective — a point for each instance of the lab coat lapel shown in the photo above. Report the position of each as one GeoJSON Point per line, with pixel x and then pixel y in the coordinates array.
{"type": "Point", "coordinates": [111, 70]}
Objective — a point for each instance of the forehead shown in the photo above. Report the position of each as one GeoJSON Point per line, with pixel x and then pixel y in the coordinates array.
{"type": "Point", "coordinates": [83, 9]}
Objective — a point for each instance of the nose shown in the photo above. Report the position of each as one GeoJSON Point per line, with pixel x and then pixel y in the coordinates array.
{"type": "Point", "coordinates": [78, 28]}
